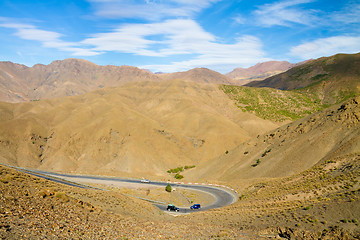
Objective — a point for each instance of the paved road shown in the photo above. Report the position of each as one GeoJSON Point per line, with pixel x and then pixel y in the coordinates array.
{"type": "Point", "coordinates": [223, 197]}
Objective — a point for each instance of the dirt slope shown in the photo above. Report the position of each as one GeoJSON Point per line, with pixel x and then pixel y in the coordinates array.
{"type": "Point", "coordinates": [291, 148]}
{"type": "Point", "coordinates": [140, 129]}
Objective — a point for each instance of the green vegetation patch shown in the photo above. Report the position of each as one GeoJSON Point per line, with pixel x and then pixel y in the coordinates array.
{"type": "Point", "coordinates": [273, 104]}
{"type": "Point", "coordinates": [178, 170]}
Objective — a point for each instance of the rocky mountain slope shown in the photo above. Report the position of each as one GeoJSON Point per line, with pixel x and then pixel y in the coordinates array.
{"type": "Point", "coordinates": [63, 78]}
{"type": "Point", "coordinates": [72, 77]}
{"type": "Point", "coordinates": [260, 71]}
{"type": "Point", "coordinates": [330, 79]}
{"type": "Point", "coordinates": [139, 129]}
{"type": "Point", "coordinates": [292, 148]}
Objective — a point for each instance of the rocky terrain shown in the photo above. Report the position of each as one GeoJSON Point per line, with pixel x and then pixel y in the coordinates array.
{"type": "Point", "coordinates": [33, 208]}
{"type": "Point", "coordinates": [291, 148]}
{"type": "Point", "coordinates": [259, 71]}
{"type": "Point", "coordinates": [71, 77]}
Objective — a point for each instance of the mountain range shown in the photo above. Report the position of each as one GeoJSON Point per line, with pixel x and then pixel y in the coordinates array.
{"type": "Point", "coordinates": [69, 77]}
{"type": "Point", "coordinates": [289, 145]}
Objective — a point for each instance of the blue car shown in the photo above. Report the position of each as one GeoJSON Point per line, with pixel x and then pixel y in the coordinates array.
{"type": "Point", "coordinates": [195, 206]}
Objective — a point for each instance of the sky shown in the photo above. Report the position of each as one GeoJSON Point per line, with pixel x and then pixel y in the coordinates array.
{"type": "Point", "coordinates": [177, 35]}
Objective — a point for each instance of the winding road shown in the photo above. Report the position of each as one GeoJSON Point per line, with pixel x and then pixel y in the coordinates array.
{"type": "Point", "coordinates": [223, 196]}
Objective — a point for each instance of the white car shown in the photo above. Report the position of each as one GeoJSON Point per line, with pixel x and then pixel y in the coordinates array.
{"type": "Point", "coordinates": [145, 181]}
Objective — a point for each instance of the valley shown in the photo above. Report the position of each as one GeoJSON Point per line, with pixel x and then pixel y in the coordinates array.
{"type": "Point", "coordinates": [289, 145]}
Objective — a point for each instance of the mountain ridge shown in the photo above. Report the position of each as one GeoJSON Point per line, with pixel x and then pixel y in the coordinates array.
{"type": "Point", "coordinates": [330, 79]}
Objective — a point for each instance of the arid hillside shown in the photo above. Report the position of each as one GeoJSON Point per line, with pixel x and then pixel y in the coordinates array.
{"type": "Point", "coordinates": [139, 129]}
{"type": "Point", "coordinates": [71, 77]}
{"type": "Point", "coordinates": [63, 78]}
{"type": "Point", "coordinates": [199, 75]}
{"type": "Point", "coordinates": [292, 148]}
{"type": "Point", "coordinates": [329, 79]}
{"type": "Point", "coordinates": [259, 71]}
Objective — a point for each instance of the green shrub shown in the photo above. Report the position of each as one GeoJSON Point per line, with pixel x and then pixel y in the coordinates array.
{"type": "Point", "coordinates": [188, 167]}
{"type": "Point", "coordinates": [168, 188]}
{"type": "Point", "coordinates": [258, 161]}
{"type": "Point", "coordinates": [178, 176]}
{"type": "Point", "coordinates": [266, 152]}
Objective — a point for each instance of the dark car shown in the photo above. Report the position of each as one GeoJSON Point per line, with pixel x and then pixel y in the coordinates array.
{"type": "Point", "coordinates": [195, 206]}
{"type": "Point", "coordinates": [171, 207]}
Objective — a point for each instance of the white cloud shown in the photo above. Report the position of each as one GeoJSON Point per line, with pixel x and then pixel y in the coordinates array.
{"type": "Point", "coordinates": [49, 39]}
{"type": "Point", "coordinates": [166, 38]}
{"type": "Point", "coordinates": [178, 37]}
{"type": "Point", "coordinates": [326, 47]}
{"type": "Point", "coordinates": [150, 10]}
{"type": "Point", "coordinates": [284, 13]}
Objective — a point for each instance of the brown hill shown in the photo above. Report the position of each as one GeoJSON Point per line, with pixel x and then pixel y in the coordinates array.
{"type": "Point", "coordinates": [199, 75]}
{"type": "Point", "coordinates": [72, 77]}
{"type": "Point", "coordinates": [292, 148]}
{"type": "Point", "coordinates": [68, 77]}
{"type": "Point", "coordinates": [259, 72]}
{"type": "Point", "coordinates": [138, 129]}
{"type": "Point", "coordinates": [330, 79]}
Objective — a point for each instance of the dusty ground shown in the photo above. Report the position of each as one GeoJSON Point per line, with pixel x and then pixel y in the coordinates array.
{"type": "Point", "coordinates": [288, 208]}
{"type": "Point", "coordinates": [33, 208]}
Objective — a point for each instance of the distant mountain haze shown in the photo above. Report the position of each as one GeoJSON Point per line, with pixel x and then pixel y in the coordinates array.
{"type": "Point", "coordinates": [71, 77]}
{"type": "Point", "coordinates": [260, 71]}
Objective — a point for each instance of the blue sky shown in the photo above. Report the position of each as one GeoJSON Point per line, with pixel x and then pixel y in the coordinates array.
{"type": "Point", "coordinates": [177, 35]}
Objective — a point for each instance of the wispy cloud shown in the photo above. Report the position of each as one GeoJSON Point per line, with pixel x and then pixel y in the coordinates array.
{"type": "Point", "coordinates": [327, 47]}
{"type": "Point", "coordinates": [350, 14]}
{"type": "Point", "coordinates": [166, 38]}
{"type": "Point", "coordinates": [178, 37]}
{"type": "Point", "coordinates": [149, 9]}
{"type": "Point", "coordinates": [239, 19]}
{"type": "Point", "coordinates": [284, 13]}
{"type": "Point", "coordinates": [48, 39]}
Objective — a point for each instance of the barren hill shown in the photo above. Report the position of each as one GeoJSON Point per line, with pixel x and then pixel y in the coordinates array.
{"type": "Point", "coordinates": [330, 79]}
{"type": "Point", "coordinates": [199, 75]}
{"type": "Point", "coordinates": [72, 77]}
{"type": "Point", "coordinates": [63, 78]}
{"type": "Point", "coordinates": [259, 72]}
{"type": "Point", "coordinates": [292, 148]}
{"type": "Point", "coordinates": [138, 129]}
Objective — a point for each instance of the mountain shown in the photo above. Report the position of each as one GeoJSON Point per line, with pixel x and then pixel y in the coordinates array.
{"type": "Point", "coordinates": [293, 148]}
{"type": "Point", "coordinates": [63, 78]}
{"type": "Point", "coordinates": [199, 75]}
{"type": "Point", "coordinates": [138, 129]}
{"type": "Point", "coordinates": [259, 72]}
{"type": "Point", "coordinates": [330, 79]}
{"type": "Point", "coordinates": [70, 77]}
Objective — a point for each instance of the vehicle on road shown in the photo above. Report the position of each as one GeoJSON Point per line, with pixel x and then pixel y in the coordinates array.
{"type": "Point", "coordinates": [195, 206]}
{"type": "Point", "coordinates": [145, 181]}
{"type": "Point", "coordinates": [171, 207]}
